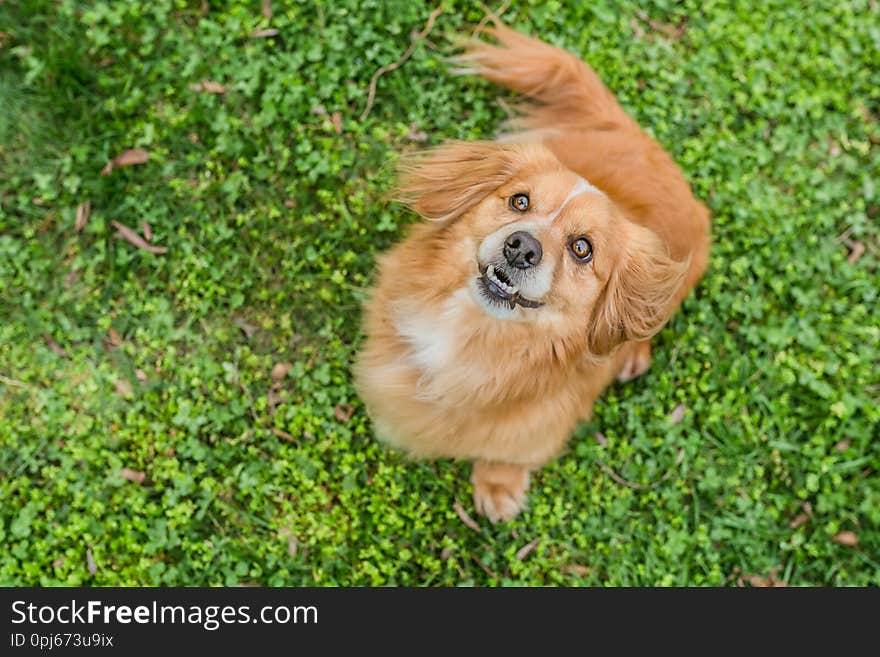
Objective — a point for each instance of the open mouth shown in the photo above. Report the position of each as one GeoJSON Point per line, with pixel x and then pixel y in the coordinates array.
{"type": "Point", "coordinates": [498, 288]}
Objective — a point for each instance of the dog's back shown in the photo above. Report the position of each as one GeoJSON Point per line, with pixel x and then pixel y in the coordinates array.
{"type": "Point", "coordinates": [579, 119]}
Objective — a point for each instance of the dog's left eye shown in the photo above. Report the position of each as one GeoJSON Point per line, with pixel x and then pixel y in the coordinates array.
{"type": "Point", "coordinates": [519, 202]}
{"type": "Point", "coordinates": [582, 249]}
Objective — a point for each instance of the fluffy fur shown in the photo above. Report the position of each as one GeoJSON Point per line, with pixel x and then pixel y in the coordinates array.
{"type": "Point", "coordinates": [449, 369]}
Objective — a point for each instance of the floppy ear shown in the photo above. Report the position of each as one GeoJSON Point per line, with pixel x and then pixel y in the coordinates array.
{"type": "Point", "coordinates": [445, 182]}
{"type": "Point", "coordinates": [640, 293]}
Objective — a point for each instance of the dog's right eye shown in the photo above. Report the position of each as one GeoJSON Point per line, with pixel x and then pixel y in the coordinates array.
{"type": "Point", "coordinates": [519, 202]}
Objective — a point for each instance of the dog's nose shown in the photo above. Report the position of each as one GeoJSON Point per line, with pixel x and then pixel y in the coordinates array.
{"type": "Point", "coordinates": [522, 251]}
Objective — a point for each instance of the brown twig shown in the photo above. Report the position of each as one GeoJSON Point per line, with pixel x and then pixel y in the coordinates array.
{"type": "Point", "coordinates": [630, 484]}
{"type": "Point", "coordinates": [13, 382]}
{"type": "Point", "coordinates": [466, 518]}
{"type": "Point", "coordinates": [283, 434]}
{"type": "Point", "coordinates": [132, 237]}
{"type": "Point", "coordinates": [414, 39]}
{"type": "Point", "coordinates": [527, 549]}
{"type": "Point", "coordinates": [486, 569]}
{"type": "Point", "coordinates": [489, 15]}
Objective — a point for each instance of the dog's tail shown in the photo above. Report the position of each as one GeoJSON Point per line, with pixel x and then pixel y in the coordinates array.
{"type": "Point", "coordinates": [566, 92]}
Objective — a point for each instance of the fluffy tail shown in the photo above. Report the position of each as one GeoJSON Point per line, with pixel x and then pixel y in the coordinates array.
{"type": "Point", "coordinates": [566, 92]}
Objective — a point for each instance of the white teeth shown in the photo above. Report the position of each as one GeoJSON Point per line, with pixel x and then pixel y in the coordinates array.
{"type": "Point", "coordinates": [490, 274]}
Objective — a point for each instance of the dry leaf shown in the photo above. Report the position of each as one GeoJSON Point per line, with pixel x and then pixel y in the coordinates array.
{"type": "Point", "coordinates": [133, 238]}
{"type": "Point", "coordinates": [284, 434]}
{"type": "Point", "coordinates": [673, 32]}
{"type": "Point", "coordinates": [843, 445]}
{"type": "Point", "coordinates": [833, 146]}
{"type": "Point", "coordinates": [114, 337]}
{"type": "Point", "coordinates": [141, 375]}
{"type": "Point", "coordinates": [292, 545]}
{"type": "Point", "coordinates": [123, 388]}
{"type": "Point", "coordinates": [147, 230]}
{"type": "Point", "coordinates": [856, 251]}
{"type": "Point", "coordinates": [208, 87]}
{"type": "Point", "coordinates": [576, 569]}
{"type": "Point", "coordinates": [56, 348]}
{"type": "Point", "coordinates": [755, 580]}
{"type": "Point", "coordinates": [600, 438]}
{"type": "Point", "coordinates": [90, 562]}
{"type": "Point", "coordinates": [58, 562]}
{"type": "Point", "coordinates": [669, 30]}
{"type": "Point", "coordinates": [343, 412]}
{"type": "Point", "coordinates": [336, 120]}
{"type": "Point", "coordinates": [136, 476]}
{"type": "Point", "coordinates": [759, 581]}
{"type": "Point", "coordinates": [262, 34]}
{"type": "Point", "coordinates": [247, 329]}
{"type": "Point", "coordinates": [416, 134]}
{"type": "Point", "coordinates": [465, 518]}
{"type": "Point", "coordinates": [527, 549]}
{"type": "Point", "coordinates": [280, 370]}
{"type": "Point", "coordinates": [799, 520]}
{"type": "Point", "coordinates": [290, 203]}
{"type": "Point", "coordinates": [637, 28]}
{"type": "Point", "coordinates": [445, 553]}
{"type": "Point", "coordinates": [83, 210]}
{"type": "Point", "coordinates": [267, 8]}
{"type": "Point", "coordinates": [847, 538]}
{"type": "Point", "coordinates": [677, 414]}
{"type": "Point", "coordinates": [126, 159]}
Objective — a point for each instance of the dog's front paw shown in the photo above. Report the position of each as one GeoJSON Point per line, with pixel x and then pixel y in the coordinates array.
{"type": "Point", "coordinates": [499, 489]}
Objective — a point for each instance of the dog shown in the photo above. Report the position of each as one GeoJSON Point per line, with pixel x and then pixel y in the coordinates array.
{"type": "Point", "coordinates": [546, 262]}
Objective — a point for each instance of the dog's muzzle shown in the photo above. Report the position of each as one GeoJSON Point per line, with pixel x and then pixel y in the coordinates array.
{"type": "Point", "coordinates": [501, 279]}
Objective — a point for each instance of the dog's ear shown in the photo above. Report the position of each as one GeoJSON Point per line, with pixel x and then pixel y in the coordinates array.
{"type": "Point", "coordinates": [640, 293]}
{"type": "Point", "coordinates": [442, 183]}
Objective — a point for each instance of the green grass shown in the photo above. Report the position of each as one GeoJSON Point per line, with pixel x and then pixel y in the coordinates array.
{"type": "Point", "coordinates": [273, 219]}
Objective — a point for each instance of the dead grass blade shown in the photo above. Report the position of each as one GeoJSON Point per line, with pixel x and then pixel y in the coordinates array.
{"type": "Point", "coordinates": [132, 237]}
{"type": "Point", "coordinates": [466, 518]}
{"type": "Point", "coordinates": [83, 210]}
{"type": "Point", "coordinates": [527, 549]}
{"type": "Point", "coordinates": [90, 562]}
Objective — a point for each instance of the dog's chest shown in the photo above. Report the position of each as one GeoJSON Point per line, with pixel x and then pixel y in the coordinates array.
{"type": "Point", "coordinates": [432, 338]}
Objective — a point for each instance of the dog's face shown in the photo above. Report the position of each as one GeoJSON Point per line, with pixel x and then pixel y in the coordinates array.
{"type": "Point", "coordinates": [538, 244]}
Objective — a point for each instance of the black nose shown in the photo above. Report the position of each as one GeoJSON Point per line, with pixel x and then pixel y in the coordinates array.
{"type": "Point", "coordinates": [522, 250]}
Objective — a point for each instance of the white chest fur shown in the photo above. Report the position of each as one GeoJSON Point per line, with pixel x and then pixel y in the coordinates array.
{"type": "Point", "coordinates": [432, 337]}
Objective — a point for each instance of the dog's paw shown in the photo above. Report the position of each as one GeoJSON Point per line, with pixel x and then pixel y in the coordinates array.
{"type": "Point", "coordinates": [636, 360]}
{"type": "Point", "coordinates": [499, 489]}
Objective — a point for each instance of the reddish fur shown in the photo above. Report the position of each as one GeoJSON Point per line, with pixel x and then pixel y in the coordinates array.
{"type": "Point", "coordinates": [507, 394]}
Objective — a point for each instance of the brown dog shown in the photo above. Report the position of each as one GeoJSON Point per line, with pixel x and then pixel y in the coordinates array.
{"type": "Point", "coordinates": [545, 266]}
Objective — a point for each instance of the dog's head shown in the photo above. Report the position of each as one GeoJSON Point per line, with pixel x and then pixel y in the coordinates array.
{"type": "Point", "coordinates": [539, 244]}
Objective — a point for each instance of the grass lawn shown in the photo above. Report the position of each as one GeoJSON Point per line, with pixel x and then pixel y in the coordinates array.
{"type": "Point", "coordinates": [188, 417]}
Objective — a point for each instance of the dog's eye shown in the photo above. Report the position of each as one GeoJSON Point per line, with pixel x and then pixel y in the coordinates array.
{"type": "Point", "coordinates": [582, 249]}
{"type": "Point", "coordinates": [519, 202]}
